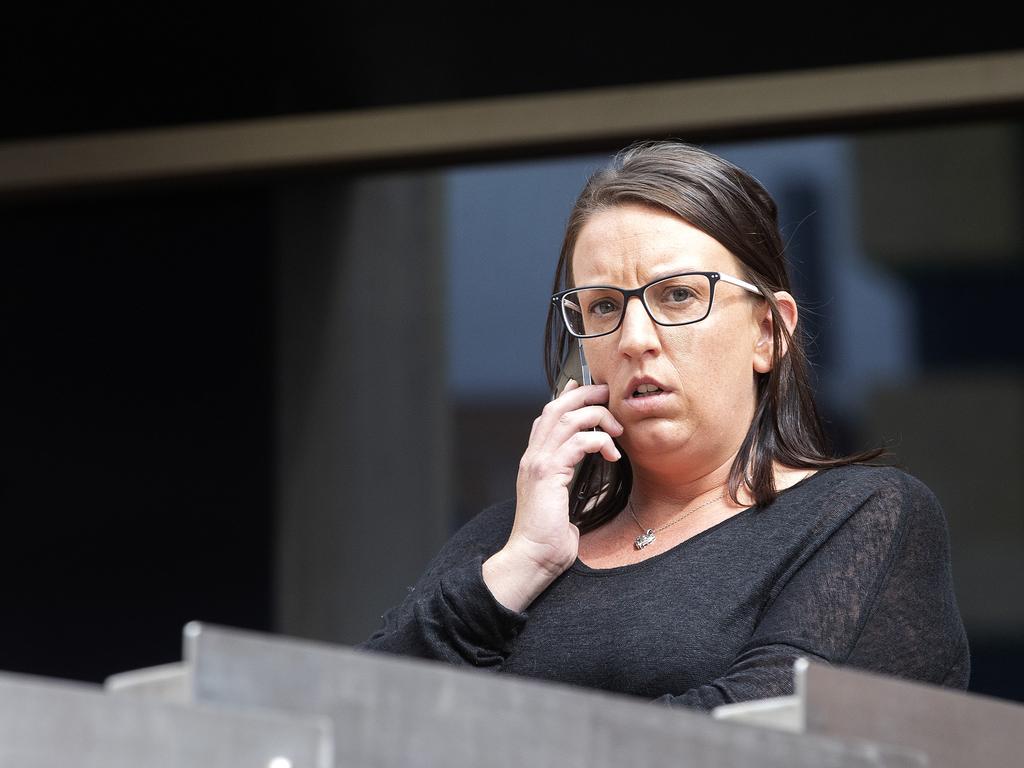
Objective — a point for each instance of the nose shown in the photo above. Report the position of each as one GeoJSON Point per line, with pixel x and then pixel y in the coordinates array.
{"type": "Point", "coordinates": [638, 333]}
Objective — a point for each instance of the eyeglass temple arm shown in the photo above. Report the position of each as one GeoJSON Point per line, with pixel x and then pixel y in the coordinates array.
{"type": "Point", "coordinates": [741, 283]}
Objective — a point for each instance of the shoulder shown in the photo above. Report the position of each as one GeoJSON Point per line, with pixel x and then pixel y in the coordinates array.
{"type": "Point", "coordinates": [866, 501]}
{"type": "Point", "coordinates": [888, 487]}
{"type": "Point", "coordinates": [854, 485]}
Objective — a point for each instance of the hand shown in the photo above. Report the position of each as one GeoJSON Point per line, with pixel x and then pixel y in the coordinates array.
{"type": "Point", "coordinates": [543, 542]}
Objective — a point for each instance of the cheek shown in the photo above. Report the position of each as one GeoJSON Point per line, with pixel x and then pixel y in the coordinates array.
{"type": "Point", "coordinates": [715, 371]}
{"type": "Point", "coordinates": [600, 359]}
{"type": "Point", "coordinates": [697, 360]}
{"type": "Point", "coordinates": [731, 346]}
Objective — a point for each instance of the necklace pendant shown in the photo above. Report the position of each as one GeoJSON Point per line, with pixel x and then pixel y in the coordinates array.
{"type": "Point", "coordinates": [644, 539]}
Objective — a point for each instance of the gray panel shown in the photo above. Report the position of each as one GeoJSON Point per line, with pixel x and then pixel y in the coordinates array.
{"type": "Point", "coordinates": [167, 682]}
{"type": "Point", "coordinates": [48, 724]}
{"type": "Point", "coordinates": [954, 728]}
{"type": "Point", "coordinates": [391, 711]}
{"type": "Point", "coordinates": [784, 713]}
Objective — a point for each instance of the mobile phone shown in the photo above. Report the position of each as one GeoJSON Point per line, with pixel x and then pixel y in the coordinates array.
{"type": "Point", "coordinates": [574, 369]}
{"type": "Point", "coordinates": [584, 368]}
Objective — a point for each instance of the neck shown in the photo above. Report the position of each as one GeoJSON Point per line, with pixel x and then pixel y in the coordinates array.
{"type": "Point", "coordinates": [660, 493]}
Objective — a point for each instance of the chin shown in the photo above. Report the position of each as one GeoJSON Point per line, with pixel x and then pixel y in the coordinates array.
{"type": "Point", "coordinates": [652, 439]}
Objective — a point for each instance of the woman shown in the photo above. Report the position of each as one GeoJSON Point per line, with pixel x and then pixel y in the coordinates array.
{"type": "Point", "coordinates": [679, 530]}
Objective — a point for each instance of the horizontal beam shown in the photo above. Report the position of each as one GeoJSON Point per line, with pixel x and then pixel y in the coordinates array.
{"type": "Point", "coordinates": [530, 124]}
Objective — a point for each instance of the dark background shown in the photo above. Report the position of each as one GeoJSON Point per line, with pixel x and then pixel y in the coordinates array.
{"type": "Point", "coordinates": [83, 69]}
{"type": "Point", "coordinates": [136, 407]}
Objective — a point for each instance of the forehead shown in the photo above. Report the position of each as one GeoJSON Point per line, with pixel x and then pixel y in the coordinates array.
{"type": "Point", "coordinates": [634, 244]}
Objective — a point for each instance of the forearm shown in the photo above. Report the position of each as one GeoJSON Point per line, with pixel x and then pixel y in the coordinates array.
{"type": "Point", "coordinates": [761, 673]}
{"type": "Point", "coordinates": [455, 619]}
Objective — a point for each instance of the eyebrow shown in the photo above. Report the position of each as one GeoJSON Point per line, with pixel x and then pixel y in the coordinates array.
{"type": "Point", "coordinates": [678, 270]}
{"type": "Point", "coordinates": [660, 273]}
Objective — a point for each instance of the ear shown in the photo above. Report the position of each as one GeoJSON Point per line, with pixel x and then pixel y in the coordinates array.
{"type": "Point", "coordinates": [764, 341]}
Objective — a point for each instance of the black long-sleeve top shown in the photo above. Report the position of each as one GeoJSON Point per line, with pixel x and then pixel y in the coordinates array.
{"type": "Point", "coordinates": [849, 566]}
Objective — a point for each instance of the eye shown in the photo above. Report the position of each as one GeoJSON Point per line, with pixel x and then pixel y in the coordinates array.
{"type": "Point", "coordinates": [603, 307]}
{"type": "Point", "coordinates": [678, 294]}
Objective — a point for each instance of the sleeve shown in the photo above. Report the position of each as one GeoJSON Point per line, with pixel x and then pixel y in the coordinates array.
{"type": "Point", "coordinates": [877, 594]}
{"type": "Point", "coordinates": [450, 614]}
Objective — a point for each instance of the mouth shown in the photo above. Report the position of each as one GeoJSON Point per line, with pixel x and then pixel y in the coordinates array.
{"type": "Point", "coordinates": [646, 390]}
{"type": "Point", "coordinates": [643, 388]}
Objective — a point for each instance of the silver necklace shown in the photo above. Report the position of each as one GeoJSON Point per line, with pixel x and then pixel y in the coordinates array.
{"type": "Point", "coordinates": [648, 536]}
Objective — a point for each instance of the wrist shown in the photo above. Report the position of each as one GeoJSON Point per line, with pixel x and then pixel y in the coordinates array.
{"type": "Point", "coordinates": [515, 580]}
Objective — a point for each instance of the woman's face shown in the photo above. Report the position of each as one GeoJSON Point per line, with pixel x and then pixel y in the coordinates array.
{"type": "Point", "coordinates": [705, 371]}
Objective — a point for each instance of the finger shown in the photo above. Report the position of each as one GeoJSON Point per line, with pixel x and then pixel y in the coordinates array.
{"type": "Point", "coordinates": [592, 394]}
{"type": "Point", "coordinates": [536, 466]}
{"type": "Point", "coordinates": [551, 430]}
{"type": "Point", "coordinates": [581, 419]}
{"type": "Point", "coordinates": [579, 445]}
{"type": "Point", "coordinates": [579, 394]}
{"type": "Point", "coordinates": [569, 385]}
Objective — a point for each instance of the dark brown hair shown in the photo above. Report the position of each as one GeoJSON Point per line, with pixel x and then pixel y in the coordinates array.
{"type": "Point", "coordinates": [728, 204]}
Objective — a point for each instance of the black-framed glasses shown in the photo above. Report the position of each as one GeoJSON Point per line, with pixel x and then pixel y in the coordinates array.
{"type": "Point", "coordinates": [597, 310]}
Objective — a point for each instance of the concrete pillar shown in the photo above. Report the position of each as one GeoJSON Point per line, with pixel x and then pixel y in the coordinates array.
{"type": "Point", "coordinates": [363, 419]}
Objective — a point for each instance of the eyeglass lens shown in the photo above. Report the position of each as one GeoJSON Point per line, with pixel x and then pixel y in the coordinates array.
{"type": "Point", "coordinates": [672, 301]}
